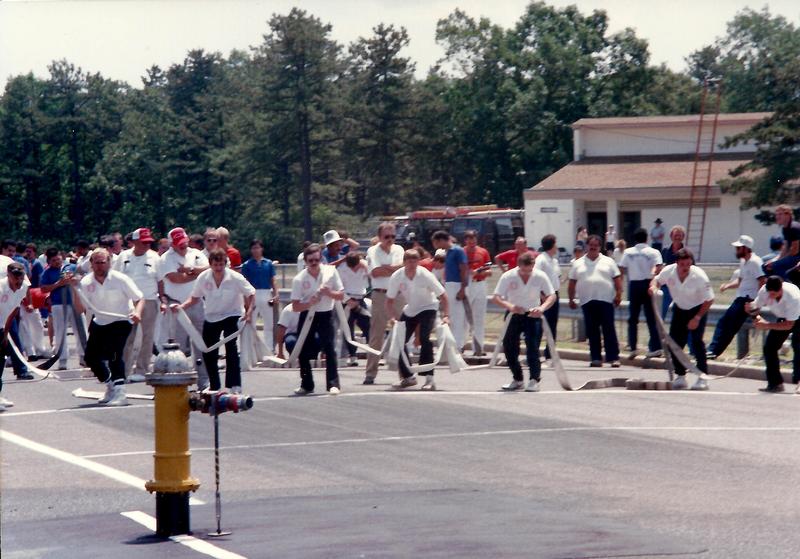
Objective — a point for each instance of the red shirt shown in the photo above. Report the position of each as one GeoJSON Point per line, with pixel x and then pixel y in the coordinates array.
{"type": "Point", "coordinates": [509, 257]}
{"type": "Point", "coordinates": [476, 258]}
{"type": "Point", "coordinates": [427, 263]}
{"type": "Point", "coordinates": [234, 257]}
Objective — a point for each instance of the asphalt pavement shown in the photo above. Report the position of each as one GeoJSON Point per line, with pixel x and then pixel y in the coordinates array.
{"type": "Point", "coordinates": [466, 471]}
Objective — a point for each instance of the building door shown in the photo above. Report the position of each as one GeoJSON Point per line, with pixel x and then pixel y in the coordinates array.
{"type": "Point", "coordinates": [596, 223]}
{"type": "Point", "coordinates": [631, 221]}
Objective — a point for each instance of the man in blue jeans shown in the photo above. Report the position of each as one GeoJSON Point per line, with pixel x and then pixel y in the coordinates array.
{"type": "Point", "coordinates": [751, 278]}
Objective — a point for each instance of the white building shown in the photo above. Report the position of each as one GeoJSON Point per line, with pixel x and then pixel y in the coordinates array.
{"type": "Point", "coordinates": [630, 171]}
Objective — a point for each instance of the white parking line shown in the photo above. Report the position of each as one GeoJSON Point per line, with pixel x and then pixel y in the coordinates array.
{"type": "Point", "coordinates": [75, 460]}
{"type": "Point", "coordinates": [198, 545]}
{"type": "Point", "coordinates": [469, 434]}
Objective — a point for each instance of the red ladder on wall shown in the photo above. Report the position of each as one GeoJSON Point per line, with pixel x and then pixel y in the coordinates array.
{"type": "Point", "coordinates": [701, 171]}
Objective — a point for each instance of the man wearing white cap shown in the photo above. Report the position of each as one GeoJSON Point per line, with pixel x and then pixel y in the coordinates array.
{"type": "Point", "coordinates": [751, 278]}
{"type": "Point", "coordinates": [141, 263]}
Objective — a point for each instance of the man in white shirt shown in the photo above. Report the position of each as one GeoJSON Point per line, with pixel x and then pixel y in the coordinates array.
{"type": "Point", "coordinates": [315, 289]}
{"type": "Point", "coordinates": [547, 262]}
{"type": "Point", "coordinates": [383, 259]}
{"type": "Point", "coordinates": [355, 278]}
{"type": "Point", "coordinates": [597, 282]}
{"type": "Point", "coordinates": [423, 294]}
{"type": "Point", "coordinates": [227, 296]}
{"type": "Point", "coordinates": [13, 289]}
{"type": "Point", "coordinates": [783, 299]}
{"type": "Point", "coordinates": [692, 297]}
{"type": "Point", "coordinates": [641, 262]}
{"type": "Point", "coordinates": [140, 263]}
{"type": "Point", "coordinates": [520, 292]}
{"type": "Point", "coordinates": [108, 291]}
{"type": "Point", "coordinates": [178, 270]}
{"type": "Point", "coordinates": [750, 279]}
{"type": "Point", "coordinates": [286, 331]}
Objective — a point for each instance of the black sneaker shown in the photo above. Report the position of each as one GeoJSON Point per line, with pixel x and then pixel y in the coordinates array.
{"type": "Point", "coordinates": [369, 380]}
{"type": "Point", "coordinates": [777, 389]}
{"type": "Point", "coordinates": [711, 355]}
{"type": "Point", "coordinates": [25, 376]}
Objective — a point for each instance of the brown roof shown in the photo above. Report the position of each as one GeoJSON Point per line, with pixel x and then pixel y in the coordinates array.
{"type": "Point", "coordinates": [668, 120]}
{"type": "Point", "coordinates": [635, 172]}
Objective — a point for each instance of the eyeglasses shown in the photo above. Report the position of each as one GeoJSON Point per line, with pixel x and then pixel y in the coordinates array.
{"type": "Point", "coordinates": [212, 240]}
{"type": "Point", "coordinates": [312, 260]}
{"type": "Point", "coordinates": [389, 236]}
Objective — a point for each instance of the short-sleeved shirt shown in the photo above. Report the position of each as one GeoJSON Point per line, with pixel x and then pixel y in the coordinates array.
{"type": "Point", "coordinates": [595, 278]}
{"type": "Point", "coordinates": [477, 258]}
{"type": "Point", "coordinates": [750, 271]}
{"type": "Point", "coordinates": [791, 233]}
{"type": "Point", "coordinates": [4, 262]}
{"type": "Point", "coordinates": [142, 269]}
{"type": "Point", "coordinates": [10, 300]}
{"type": "Point", "coordinates": [510, 257]}
{"type": "Point", "coordinates": [57, 296]}
{"type": "Point", "coordinates": [657, 234]}
{"type": "Point", "coordinates": [115, 295]}
{"type": "Point", "coordinates": [36, 273]}
{"type": "Point", "coordinates": [787, 308]}
{"type": "Point", "coordinates": [170, 262]}
{"type": "Point", "coordinates": [689, 293]}
{"type": "Point", "coordinates": [421, 292]}
{"type": "Point", "coordinates": [304, 286]}
{"type": "Point", "coordinates": [669, 257]}
{"type": "Point", "coordinates": [456, 256]}
{"type": "Point", "coordinates": [639, 261]}
{"type": "Point", "coordinates": [259, 273]}
{"type": "Point", "coordinates": [226, 300]}
{"type": "Point", "coordinates": [513, 289]}
{"type": "Point", "coordinates": [289, 319]}
{"type": "Point", "coordinates": [550, 266]}
{"type": "Point", "coordinates": [326, 255]}
{"type": "Point", "coordinates": [377, 257]}
{"type": "Point", "coordinates": [355, 281]}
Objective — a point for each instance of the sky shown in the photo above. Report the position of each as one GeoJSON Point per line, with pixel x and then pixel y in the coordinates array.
{"type": "Point", "coordinates": [122, 38]}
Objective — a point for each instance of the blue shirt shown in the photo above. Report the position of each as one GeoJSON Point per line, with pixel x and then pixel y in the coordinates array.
{"type": "Point", "coordinates": [452, 262]}
{"type": "Point", "coordinates": [21, 259]}
{"type": "Point", "coordinates": [51, 276]}
{"type": "Point", "coordinates": [36, 273]}
{"type": "Point", "coordinates": [259, 274]}
{"type": "Point", "coordinates": [326, 256]}
{"type": "Point", "coordinates": [668, 256]}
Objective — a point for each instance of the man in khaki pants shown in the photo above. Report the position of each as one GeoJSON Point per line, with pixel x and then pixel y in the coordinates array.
{"type": "Point", "coordinates": [383, 260]}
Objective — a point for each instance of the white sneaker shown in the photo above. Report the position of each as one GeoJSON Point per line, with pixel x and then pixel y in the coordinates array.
{"type": "Point", "coordinates": [6, 402]}
{"type": "Point", "coordinates": [656, 353]}
{"type": "Point", "coordinates": [236, 389]}
{"type": "Point", "coordinates": [334, 390]}
{"type": "Point", "coordinates": [680, 383]}
{"type": "Point", "coordinates": [514, 385]}
{"type": "Point", "coordinates": [701, 384]}
{"type": "Point", "coordinates": [533, 386]}
{"type": "Point", "coordinates": [108, 395]}
{"type": "Point", "coordinates": [118, 398]}
{"type": "Point", "coordinates": [302, 391]}
{"type": "Point", "coordinates": [429, 383]}
{"type": "Point", "coordinates": [135, 377]}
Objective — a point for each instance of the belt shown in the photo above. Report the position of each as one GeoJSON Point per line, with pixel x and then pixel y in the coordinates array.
{"type": "Point", "coordinates": [379, 290]}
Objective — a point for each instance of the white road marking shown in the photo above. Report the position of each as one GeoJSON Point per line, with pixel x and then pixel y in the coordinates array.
{"type": "Point", "coordinates": [468, 434]}
{"type": "Point", "coordinates": [82, 462]}
{"type": "Point", "coordinates": [196, 544]}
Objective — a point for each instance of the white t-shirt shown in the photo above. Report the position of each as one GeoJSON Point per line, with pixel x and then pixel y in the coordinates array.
{"type": "Point", "coordinates": [687, 294]}
{"type": "Point", "coordinates": [595, 278]}
{"type": "Point", "coordinates": [225, 300]}
{"type": "Point", "coordinates": [170, 262]}
{"type": "Point", "coordinates": [611, 236]}
{"type": "Point", "coordinates": [289, 319]}
{"type": "Point", "coordinates": [115, 295]}
{"type": "Point", "coordinates": [639, 261]}
{"type": "Point", "coordinates": [301, 262]}
{"type": "Point", "coordinates": [527, 295]}
{"type": "Point", "coordinates": [10, 300]}
{"type": "Point", "coordinates": [143, 270]}
{"type": "Point", "coordinates": [749, 272]}
{"type": "Point", "coordinates": [355, 282]}
{"type": "Point", "coordinates": [789, 305]}
{"type": "Point", "coordinates": [304, 286]}
{"type": "Point", "coordinates": [4, 262]}
{"type": "Point", "coordinates": [421, 292]}
{"type": "Point", "coordinates": [550, 266]}
{"type": "Point", "coordinates": [377, 257]}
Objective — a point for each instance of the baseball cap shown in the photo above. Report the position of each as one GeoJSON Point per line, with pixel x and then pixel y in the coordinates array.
{"type": "Point", "coordinates": [178, 237]}
{"type": "Point", "coordinates": [142, 234]}
{"type": "Point", "coordinates": [16, 269]}
{"type": "Point", "coordinates": [744, 241]}
{"type": "Point", "coordinates": [331, 237]}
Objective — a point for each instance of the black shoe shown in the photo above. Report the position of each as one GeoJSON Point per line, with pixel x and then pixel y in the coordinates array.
{"type": "Point", "coordinates": [25, 376]}
{"type": "Point", "coordinates": [369, 380]}
{"type": "Point", "coordinates": [596, 364]}
{"type": "Point", "coordinates": [34, 358]}
{"type": "Point", "coordinates": [778, 388]}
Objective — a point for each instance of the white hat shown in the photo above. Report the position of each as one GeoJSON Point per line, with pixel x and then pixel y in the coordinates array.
{"type": "Point", "coordinates": [744, 241]}
{"type": "Point", "coordinates": [331, 237]}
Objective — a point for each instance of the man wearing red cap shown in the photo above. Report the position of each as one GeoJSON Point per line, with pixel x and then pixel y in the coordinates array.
{"type": "Point", "coordinates": [141, 263]}
{"type": "Point", "coordinates": [178, 270]}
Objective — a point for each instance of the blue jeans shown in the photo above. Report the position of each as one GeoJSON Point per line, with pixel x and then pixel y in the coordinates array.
{"type": "Point", "coordinates": [638, 298]}
{"type": "Point", "coordinates": [729, 325]}
{"type": "Point", "coordinates": [599, 317]}
{"type": "Point", "coordinates": [531, 328]}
